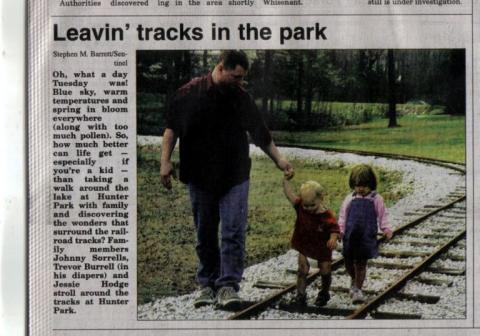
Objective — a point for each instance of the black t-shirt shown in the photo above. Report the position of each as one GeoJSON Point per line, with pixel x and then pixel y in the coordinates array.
{"type": "Point", "coordinates": [212, 126]}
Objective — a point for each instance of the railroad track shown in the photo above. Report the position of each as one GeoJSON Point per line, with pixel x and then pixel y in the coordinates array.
{"type": "Point", "coordinates": [414, 255]}
{"type": "Point", "coordinates": [444, 226]}
{"type": "Point", "coordinates": [425, 258]}
{"type": "Point", "coordinates": [459, 167]}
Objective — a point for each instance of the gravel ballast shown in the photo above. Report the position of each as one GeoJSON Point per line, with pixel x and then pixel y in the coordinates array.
{"type": "Point", "coordinates": [429, 184]}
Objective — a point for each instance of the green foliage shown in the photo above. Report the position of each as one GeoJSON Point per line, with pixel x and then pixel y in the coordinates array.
{"type": "Point", "coordinates": [166, 235]}
{"type": "Point", "coordinates": [419, 108]}
{"type": "Point", "coordinates": [298, 89]}
{"type": "Point", "coordinates": [324, 115]}
{"type": "Point", "coordinates": [432, 136]}
{"type": "Point", "coordinates": [150, 113]}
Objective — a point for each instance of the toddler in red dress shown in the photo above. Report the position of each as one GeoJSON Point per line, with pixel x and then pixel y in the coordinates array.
{"type": "Point", "coordinates": [315, 236]}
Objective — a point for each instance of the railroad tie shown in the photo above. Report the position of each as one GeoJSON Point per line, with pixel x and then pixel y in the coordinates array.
{"type": "Point", "coordinates": [413, 243]}
{"type": "Point", "coordinates": [453, 216]}
{"type": "Point", "coordinates": [415, 213]}
{"type": "Point", "coordinates": [294, 271]}
{"type": "Point", "coordinates": [403, 254]}
{"type": "Point", "coordinates": [443, 229]}
{"type": "Point", "coordinates": [447, 271]}
{"type": "Point", "coordinates": [389, 265]}
{"type": "Point", "coordinates": [272, 284]}
{"type": "Point", "coordinates": [422, 298]}
{"type": "Point", "coordinates": [433, 206]}
{"type": "Point", "coordinates": [455, 257]}
{"type": "Point", "coordinates": [457, 210]}
{"type": "Point", "coordinates": [310, 309]}
{"type": "Point", "coordinates": [385, 315]}
{"type": "Point", "coordinates": [432, 281]}
{"type": "Point", "coordinates": [428, 235]}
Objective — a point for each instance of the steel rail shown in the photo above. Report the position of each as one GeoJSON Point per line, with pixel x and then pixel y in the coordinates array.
{"type": "Point", "coordinates": [363, 310]}
{"type": "Point", "coordinates": [424, 217]}
{"type": "Point", "coordinates": [440, 163]}
{"type": "Point", "coordinates": [260, 306]}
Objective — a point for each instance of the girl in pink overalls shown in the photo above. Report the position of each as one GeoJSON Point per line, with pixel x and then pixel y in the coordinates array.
{"type": "Point", "coordinates": [362, 214]}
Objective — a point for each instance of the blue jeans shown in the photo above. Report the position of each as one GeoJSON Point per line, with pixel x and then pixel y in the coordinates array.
{"type": "Point", "coordinates": [222, 265]}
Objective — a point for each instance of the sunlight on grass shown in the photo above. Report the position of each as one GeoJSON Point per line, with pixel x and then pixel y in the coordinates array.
{"type": "Point", "coordinates": [437, 137]}
{"type": "Point", "coordinates": [166, 235]}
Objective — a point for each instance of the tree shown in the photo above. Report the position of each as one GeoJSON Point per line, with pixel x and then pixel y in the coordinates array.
{"type": "Point", "coordinates": [267, 84]}
{"type": "Point", "coordinates": [392, 101]}
{"type": "Point", "coordinates": [455, 99]}
{"type": "Point", "coordinates": [300, 84]}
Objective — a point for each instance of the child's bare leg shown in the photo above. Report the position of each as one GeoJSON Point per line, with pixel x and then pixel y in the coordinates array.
{"type": "Point", "coordinates": [303, 268]}
{"type": "Point", "coordinates": [360, 272]}
{"type": "Point", "coordinates": [349, 266]}
{"type": "Point", "coordinates": [326, 274]}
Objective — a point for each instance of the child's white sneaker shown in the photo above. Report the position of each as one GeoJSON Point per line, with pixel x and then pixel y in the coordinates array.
{"type": "Point", "coordinates": [358, 296]}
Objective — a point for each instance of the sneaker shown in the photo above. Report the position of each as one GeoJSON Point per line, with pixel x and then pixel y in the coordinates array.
{"type": "Point", "coordinates": [322, 299]}
{"type": "Point", "coordinates": [227, 298]}
{"type": "Point", "coordinates": [206, 297]}
{"type": "Point", "coordinates": [358, 297]}
{"type": "Point", "coordinates": [300, 300]}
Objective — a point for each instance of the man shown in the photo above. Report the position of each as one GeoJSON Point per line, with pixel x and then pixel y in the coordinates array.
{"type": "Point", "coordinates": [211, 116]}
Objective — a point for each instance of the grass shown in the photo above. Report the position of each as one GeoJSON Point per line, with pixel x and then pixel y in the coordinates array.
{"type": "Point", "coordinates": [432, 136]}
{"type": "Point", "coordinates": [166, 235]}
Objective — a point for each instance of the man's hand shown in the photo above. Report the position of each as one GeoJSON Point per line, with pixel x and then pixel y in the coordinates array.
{"type": "Point", "coordinates": [166, 172]}
{"type": "Point", "coordinates": [287, 176]}
{"type": "Point", "coordinates": [288, 171]}
{"type": "Point", "coordinates": [166, 166]}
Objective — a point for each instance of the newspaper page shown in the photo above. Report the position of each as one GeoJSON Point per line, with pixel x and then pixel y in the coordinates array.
{"type": "Point", "coordinates": [140, 167]}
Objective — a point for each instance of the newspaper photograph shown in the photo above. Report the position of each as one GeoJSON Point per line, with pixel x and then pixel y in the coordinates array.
{"type": "Point", "coordinates": [228, 167]}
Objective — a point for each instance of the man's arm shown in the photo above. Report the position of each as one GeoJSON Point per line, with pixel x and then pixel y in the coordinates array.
{"type": "Point", "coordinates": [166, 166]}
{"type": "Point", "coordinates": [272, 151]}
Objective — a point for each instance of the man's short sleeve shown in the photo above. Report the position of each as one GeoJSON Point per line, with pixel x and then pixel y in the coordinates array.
{"type": "Point", "coordinates": [255, 124]}
{"type": "Point", "coordinates": [171, 115]}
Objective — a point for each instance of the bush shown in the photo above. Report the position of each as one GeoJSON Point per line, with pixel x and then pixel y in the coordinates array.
{"type": "Point", "coordinates": [324, 115]}
{"type": "Point", "coordinates": [339, 114]}
{"type": "Point", "coordinates": [151, 109]}
{"type": "Point", "coordinates": [150, 113]}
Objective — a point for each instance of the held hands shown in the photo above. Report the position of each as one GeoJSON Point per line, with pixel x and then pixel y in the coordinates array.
{"type": "Point", "coordinates": [288, 171]}
{"type": "Point", "coordinates": [287, 176]}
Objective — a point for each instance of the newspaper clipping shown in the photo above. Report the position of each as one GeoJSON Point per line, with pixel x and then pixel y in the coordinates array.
{"type": "Point", "coordinates": [268, 166]}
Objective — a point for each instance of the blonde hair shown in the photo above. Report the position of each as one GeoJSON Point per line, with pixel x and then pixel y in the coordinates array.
{"type": "Point", "coordinates": [313, 186]}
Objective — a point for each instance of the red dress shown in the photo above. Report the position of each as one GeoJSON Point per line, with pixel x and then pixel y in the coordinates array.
{"type": "Point", "coordinates": [312, 231]}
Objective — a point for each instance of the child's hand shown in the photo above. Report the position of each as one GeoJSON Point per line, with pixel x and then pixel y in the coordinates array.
{"type": "Point", "coordinates": [388, 235]}
{"type": "Point", "coordinates": [332, 243]}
